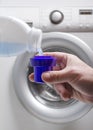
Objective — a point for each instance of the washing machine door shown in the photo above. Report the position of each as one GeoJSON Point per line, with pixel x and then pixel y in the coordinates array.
{"type": "Point", "coordinates": [42, 100]}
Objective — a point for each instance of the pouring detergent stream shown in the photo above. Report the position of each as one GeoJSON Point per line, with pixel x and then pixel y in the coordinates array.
{"type": "Point", "coordinates": [35, 37]}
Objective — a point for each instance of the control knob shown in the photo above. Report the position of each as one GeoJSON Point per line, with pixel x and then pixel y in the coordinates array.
{"type": "Point", "coordinates": [56, 17]}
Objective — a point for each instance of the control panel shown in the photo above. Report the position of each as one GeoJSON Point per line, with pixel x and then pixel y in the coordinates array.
{"type": "Point", "coordinates": [67, 19]}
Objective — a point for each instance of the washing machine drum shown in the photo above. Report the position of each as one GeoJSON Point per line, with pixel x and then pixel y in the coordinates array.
{"type": "Point", "coordinates": [42, 100]}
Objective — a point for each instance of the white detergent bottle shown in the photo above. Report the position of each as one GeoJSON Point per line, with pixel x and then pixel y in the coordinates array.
{"type": "Point", "coordinates": [17, 37]}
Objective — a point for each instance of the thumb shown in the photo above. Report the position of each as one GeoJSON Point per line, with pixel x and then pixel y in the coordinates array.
{"type": "Point", "coordinates": [55, 76]}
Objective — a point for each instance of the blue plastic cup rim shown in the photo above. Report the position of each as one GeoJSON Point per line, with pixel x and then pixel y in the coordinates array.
{"type": "Point", "coordinates": [43, 61]}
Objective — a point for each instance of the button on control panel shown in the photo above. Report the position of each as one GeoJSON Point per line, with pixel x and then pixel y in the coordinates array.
{"type": "Point", "coordinates": [56, 17]}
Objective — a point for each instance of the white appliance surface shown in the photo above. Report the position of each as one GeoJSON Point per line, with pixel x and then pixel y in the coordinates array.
{"type": "Point", "coordinates": [43, 3]}
{"type": "Point", "coordinates": [13, 116]}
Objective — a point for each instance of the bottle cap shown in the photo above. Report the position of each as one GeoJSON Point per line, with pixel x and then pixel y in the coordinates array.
{"type": "Point", "coordinates": [40, 65]}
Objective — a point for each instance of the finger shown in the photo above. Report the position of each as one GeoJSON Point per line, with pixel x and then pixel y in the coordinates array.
{"type": "Point", "coordinates": [64, 93]}
{"type": "Point", "coordinates": [60, 76]}
{"type": "Point", "coordinates": [31, 77]}
{"type": "Point", "coordinates": [60, 56]}
{"type": "Point", "coordinates": [55, 54]}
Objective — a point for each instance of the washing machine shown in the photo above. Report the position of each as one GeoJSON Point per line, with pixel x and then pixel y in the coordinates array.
{"type": "Point", "coordinates": [25, 105]}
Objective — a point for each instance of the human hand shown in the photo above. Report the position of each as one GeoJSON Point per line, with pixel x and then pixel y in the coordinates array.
{"type": "Point", "coordinates": [72, 78]}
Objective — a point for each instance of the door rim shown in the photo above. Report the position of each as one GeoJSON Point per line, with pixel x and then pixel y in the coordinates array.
{"type": "Point", "coordinates": [63, 115]}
